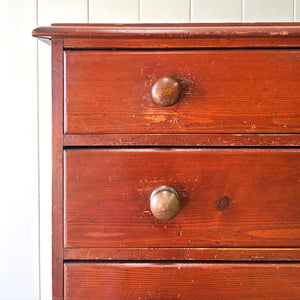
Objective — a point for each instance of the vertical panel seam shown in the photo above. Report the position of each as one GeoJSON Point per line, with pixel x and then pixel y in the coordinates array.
{"type": "Point", "coordinates": [88, 11]}
{"type": "Point", "coordinates": [139, 11]}
{"type": "Point", "coordinates": [38, 155]}
{"type": "Point", "coordinates": [190, 11]}
{"type": "Point", "coordinates": [243, 10]}
{"type": "Point", "coordinates": [294, 11]}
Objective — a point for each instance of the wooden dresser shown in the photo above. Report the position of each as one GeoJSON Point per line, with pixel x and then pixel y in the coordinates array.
{"type": "Point", "coordinates": [176, 162]}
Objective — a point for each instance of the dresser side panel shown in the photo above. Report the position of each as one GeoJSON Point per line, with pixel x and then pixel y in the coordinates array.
{"type": "Point", "coordinates": [57, 169]}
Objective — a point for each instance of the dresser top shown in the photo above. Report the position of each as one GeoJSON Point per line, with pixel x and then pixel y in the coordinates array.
{"type": "Point", "coordinates": [174, 35]}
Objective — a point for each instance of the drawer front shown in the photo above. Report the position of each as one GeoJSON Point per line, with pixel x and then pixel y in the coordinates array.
{"type": "Point", "coordinates": [228, 197]}
{"type": "Point", "coordinates": [232, 91]}
{"type": "Point", "coordinates": [182, 281]}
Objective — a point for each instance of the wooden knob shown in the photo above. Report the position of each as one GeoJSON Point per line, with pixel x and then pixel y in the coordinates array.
{"type": "Point", "coordinates": [166, 91]}
{"type": "Point", "coordinates": [164, 203]}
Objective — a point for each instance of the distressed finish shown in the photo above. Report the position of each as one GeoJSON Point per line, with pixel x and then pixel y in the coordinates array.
{"type": "Point", "coordinates": [212, 140]}
{"type": "Point", "coordinates": [223, 133]}
{"type": "Point", "coordinates": [173, 35]}
{"type": "Point", "coordinates": [185, 254]}
{"type": "Point", "coordinates": [57, 169]}
{"type": "Point", "coordinates": [182, 281]}
{"type": "Point", "coordinates": [236, 91]}
{"type": "Point", "coordinates": [229, 198]}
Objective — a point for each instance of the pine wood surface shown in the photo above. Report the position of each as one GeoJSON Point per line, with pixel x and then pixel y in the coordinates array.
{"type": "Point", "coordinates": [229, 198]}
{"type": "Point", "coordinates": [57, 170]}
{"type": "Point", "coordinates": [182, 281]}
{"type": "Point", "coordinates": [237, 91]}
{"type": "Point", "coordinates": [173, 35]}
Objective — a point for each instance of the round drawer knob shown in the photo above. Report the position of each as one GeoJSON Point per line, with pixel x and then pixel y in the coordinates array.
{"type": "Point", "coordinates": [166, 91]}
{"type": "Point", "coordinates": [164, 203]}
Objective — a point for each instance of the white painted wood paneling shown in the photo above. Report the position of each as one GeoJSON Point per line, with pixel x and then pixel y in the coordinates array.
{"type": "Point", "coordinates": [268, 10]}
{"type": "Point", "coordinates": [165, 11]}
{"type": "Point", "coordinates": [297, 10]}
{"type": "Point", "coordinates": [19, 251]}
{"type": "Point", "coordinates": [62, 11]}
{"type": "Point", "coordinates": [216, 10]}
{"type": "Point", "coordinates": [45, 166]}
{"type": "Point", "coordinates": [54, 11]}
{"type": "Point", "coordinates": [114, 11]}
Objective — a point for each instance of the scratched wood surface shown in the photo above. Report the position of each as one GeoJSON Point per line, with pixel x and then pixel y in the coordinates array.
{"type": "Point", "coordinates": [181, 281]}
{"type": "Point", "coordinates": [168, 31]}
{"type": "Point", "coordinates": [232, 91]}
{"type": "Point", "coordinates": [202, 139]}
{"type": "Point", "coordinates": [182, 254]}
{"type": "Point", "coordinates": [57, 170]}
{"type": "Point", "coordinates": [185, 36]}
{"type": "Point", "coordinates": [236, 204]}
{"type": "Point", "coordinates": [229, 198]}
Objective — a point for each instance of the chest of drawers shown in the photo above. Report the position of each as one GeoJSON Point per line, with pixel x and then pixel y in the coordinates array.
{"type": "Point", "coordinates": [176, 162]}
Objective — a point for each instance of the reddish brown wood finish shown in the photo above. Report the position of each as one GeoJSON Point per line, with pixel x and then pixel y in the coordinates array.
{"type": "Point", "coordinates": [173, 35]}
{"type": "Point", "coordinates": [251, 196]}
{"type": "Point", "coordinates": [166, 91]}
{"type": "Point", "coordinates": [170, 31]}
{"type": "Point", "coordinates": [57, 169]}
{"type": "Point", "coordinates": [236, 91]}
{"type": "Point", "coordinates": [229, 198]}
{"type": "Point", "coordinates": [185, 254]}
{"type": "Point", "coordinates": [228, 140]}
{"type": "Point", "coordinates": [255, 42]}
{"type": "Point", "coordinates": [182, 281]}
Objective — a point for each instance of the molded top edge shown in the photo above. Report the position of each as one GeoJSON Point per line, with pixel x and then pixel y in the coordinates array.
{"type": "Point", "coordinates": [170, 31]}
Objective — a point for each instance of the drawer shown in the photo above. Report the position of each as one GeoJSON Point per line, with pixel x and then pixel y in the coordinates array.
{"type": "Point", "coordinates": [232, 91]}
{"type": "Point", "coordinates": [228, 197]}
{"type": "Point", "coordinates": [181, 281]}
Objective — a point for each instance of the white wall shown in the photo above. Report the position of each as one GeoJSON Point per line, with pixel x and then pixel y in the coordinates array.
{"type": "Point", "coordinates": [25, 115]}
{"type": "Point", "coordinates": [19, 211]}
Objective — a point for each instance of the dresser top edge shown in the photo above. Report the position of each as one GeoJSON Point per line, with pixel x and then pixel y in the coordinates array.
{"type": "Point", "coordinates": [170, 31]}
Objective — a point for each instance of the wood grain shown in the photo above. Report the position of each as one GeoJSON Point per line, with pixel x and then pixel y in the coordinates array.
{"type": "Point", "coordinates": [196, 43]}
{"type": "Point", "coordinates": [57, 169]}
{"type": "Point", "coordinates": [237, 91]}
{"type": "Point", "coordinates": [184, 254]}
{"type": "Point", "coordinates": [107, 197]}
{"type": "Point", "coordinates": [182, 281]}
{"type": "Point", "coordinates": [236, 204]}
{"type": "Point", "coordinates": [182, 30]}
{"type": "Point", "coordinates": [215, 140]}
{"type": "Point", "coordinates": [173, 35]}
